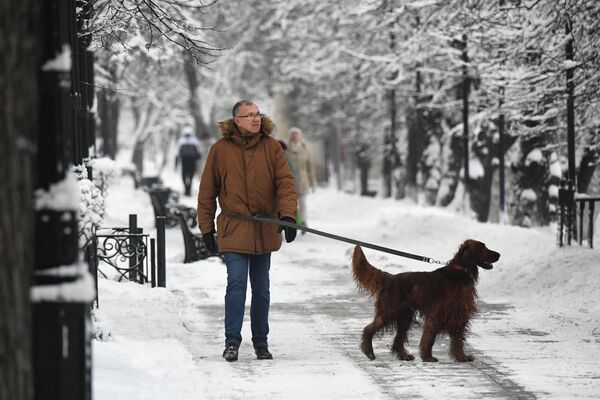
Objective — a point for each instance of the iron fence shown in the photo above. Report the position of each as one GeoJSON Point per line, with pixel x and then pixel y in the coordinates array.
{"type": "Point", "coordinates": [125, 251]}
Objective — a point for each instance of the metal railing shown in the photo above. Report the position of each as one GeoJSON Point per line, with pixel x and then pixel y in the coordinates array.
{"type": "Point", "coordinates": [135, 256]}
{"type": "Point", "coordinates": [126, 252]}
{"type": "Point", "coordinates": [572, 219]}
{"type": "Point", "coordinates": [581, 200]}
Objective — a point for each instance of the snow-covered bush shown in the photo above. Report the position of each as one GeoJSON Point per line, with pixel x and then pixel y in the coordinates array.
{"type": "Point", "coordinates": [92, 195]}
{"type": "Point", "coordinates": [104, 169]}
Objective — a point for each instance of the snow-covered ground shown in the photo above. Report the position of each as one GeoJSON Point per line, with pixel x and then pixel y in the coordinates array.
{"type": "Point", "coordinates": [538, 334]}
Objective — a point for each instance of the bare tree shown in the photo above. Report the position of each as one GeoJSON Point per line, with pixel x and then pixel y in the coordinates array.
{"type": "Point", "coordinates": [126, 32]}
{"type": "Point", "coordinates": [162, 24]}
{"type": "Point", "coordinates": [515, 64]}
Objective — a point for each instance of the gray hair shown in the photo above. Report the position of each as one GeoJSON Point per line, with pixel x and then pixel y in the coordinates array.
{"type": "Point", "coordinates": [236, 107]}
{"type": "Point", "coordinates": [295, 129]}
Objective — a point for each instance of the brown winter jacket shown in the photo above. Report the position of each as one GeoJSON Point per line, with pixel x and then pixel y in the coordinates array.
{"type": "Point", "coordinates": [249, 177]}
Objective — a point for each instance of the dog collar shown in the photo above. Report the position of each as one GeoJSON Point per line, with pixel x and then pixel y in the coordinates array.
{"type": "Point", "coordinates": [458, 267]}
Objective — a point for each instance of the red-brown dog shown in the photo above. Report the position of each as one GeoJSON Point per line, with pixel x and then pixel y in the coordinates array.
{"type": "Point", "coordinates": [445, 298]}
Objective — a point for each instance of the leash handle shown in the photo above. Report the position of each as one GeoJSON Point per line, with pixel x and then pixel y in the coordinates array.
{"type": "Point", "coordinates": [259, 218]}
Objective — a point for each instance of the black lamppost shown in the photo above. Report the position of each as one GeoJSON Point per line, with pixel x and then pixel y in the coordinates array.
{"type": "Point", "coordinates": [571, 184]}
{"type": "Point", "coordinates": [501, 164]}
{"type": "Point", "coordinates": [61, 292]}
{"type": "Point", "coordinates": [465, 113]}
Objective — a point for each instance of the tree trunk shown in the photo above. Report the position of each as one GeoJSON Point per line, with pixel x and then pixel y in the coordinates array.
{"type": "Point", "coordinates": [138, 157]}
{"type": "Point", "coordinates": [480, 194]}
{"type": "Point", "coordinates": [189, 68]}
{"type": "Point", "coordinates": [363, 161]}
{"type": "Point", "coordinates": [431, 153]}
{"type": "Point", "coordinates": [422, 167]}
{"type": "Point", "coordinates": [414, 133]}
{"type": "Point", "coordinates": [452, 168]}
{"type": "Point", "coordinates": [334, 162]}
{"type": "Point", "coordinates": [486, 150]}
{"type": "Point", "coordinates": [108, 111]}
{"type": "Point", "coordinates": [103, 116]}
{"type": "Point", "coordinates": [387, 164]}
{"type": "Point", "coordinates": [109, 107]}
{"type": "Point", "coordinates": [18, 122]}
{"type": "Point", "coordinates": [339, 155]}
{"type": "Point", "coordinates": [529, 206]}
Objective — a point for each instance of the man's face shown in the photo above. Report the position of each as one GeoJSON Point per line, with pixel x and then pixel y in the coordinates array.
{"type": "Point", "coordinates": [248, 118]}
{"type": "Point", "coordinates": [295, 137]}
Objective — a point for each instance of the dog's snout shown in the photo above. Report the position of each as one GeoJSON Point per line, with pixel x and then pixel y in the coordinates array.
{"type": "Point", "coordinates": [495, 256]}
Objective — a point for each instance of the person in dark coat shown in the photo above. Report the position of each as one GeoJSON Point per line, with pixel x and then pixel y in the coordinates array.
{"type": "Point", "coordinates": [189, 153]}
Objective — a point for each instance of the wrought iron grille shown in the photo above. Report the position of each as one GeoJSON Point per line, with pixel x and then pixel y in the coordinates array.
{"type": "Point", "coordinates": [124, 251]}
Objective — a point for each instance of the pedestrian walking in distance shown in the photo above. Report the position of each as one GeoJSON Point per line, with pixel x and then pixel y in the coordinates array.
{"type": "Point", "coordinates": [189, 153]}
{"type": "Point", "coordinates": [304, 173]}
{"type": "Point", "coordinates": [246, 170]}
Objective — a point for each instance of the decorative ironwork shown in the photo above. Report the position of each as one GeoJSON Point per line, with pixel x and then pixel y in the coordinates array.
{"type": "Point", "coordinates": [124, 251]}
{"type": "Point", "coordinates": [87, 231]}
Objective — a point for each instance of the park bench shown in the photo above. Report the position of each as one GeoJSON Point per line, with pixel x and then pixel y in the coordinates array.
{"type": "Point", "coordinates": [194, 246]}
{"type": "Point", "coordinates": [144, 182]}
{"type": "Point", "coordinates": [163, 199]}
{"type": "Point", "coordinates": [147, 181]}
{"type": "Point", "coordinates": [164, 203]}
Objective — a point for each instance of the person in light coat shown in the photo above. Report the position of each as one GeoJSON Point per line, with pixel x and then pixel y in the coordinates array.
{"type": "Point", "coordinates": [304, 174]}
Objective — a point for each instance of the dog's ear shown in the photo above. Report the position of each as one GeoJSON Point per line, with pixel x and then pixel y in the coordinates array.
{"type": "Point", "coordinates": [468, 252]}
{"type": "Point", "coordinates": [462, 250]}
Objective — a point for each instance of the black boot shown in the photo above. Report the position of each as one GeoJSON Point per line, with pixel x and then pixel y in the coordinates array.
{"type": "Point", "coordinates": [230, 353]}
{"type": "Point", "coordinates": [262, 353]}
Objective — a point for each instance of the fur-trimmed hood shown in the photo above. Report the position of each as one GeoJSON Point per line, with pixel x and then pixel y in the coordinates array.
{"type": "Point", "coordinates": [249, 175]}
{"type": "Point", "coordinates": [228, 128]}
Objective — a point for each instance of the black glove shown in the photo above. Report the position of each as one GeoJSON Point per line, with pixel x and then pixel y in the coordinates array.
{"type": "Point", "coordinates": [290, 233]}
{"type": "Point", "coordinates": [210, 242]}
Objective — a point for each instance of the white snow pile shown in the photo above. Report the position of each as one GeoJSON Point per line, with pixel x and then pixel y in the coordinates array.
{"type": "Point", "coordinates": [540, 325]}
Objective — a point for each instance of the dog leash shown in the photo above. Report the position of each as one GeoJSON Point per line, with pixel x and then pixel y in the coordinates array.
{"type": "Point", "coordinates": [265, 219]}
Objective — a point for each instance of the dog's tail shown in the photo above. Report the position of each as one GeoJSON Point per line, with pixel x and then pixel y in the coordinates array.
{"type": "Point", "coordinates": [366, 276]}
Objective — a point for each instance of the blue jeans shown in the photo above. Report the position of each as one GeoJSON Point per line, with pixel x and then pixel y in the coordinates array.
{"type": "Point", "coordinates": [238, 266]}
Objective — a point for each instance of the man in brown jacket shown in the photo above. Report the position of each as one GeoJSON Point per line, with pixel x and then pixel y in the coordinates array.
{"type": "Point", "coordinates": [248, 172]}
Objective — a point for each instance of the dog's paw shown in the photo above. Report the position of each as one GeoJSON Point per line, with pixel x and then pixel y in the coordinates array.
{"type": "Point", "coordinates": [370, 355]}
{"type": "Point", "coordinates": [367, 351]}
{"type": "Point", "coordinates": [429, 359]}
{"type": "Point", "coordinates": [405, 357]}
{"type": "Point", "coordinates": [465, 358]}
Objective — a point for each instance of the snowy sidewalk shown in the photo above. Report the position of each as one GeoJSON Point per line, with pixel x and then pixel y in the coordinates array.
{"type": "Point", "coordinates": [532, 339]}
